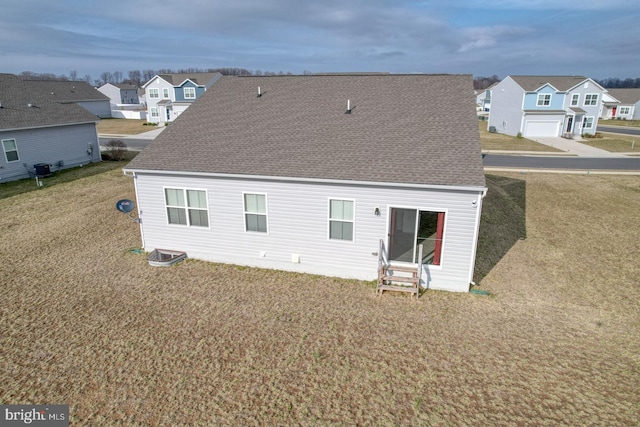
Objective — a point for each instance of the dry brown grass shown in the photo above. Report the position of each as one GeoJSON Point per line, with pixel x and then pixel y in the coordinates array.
{"type": "Point", "coordinates": [86, 322]}
{"type": "Point", "coordinates": [123, 127]}
{"type": "Point", "coordinates": [615, 142]}
{"type": "Point", "coordinates": [500, 141]}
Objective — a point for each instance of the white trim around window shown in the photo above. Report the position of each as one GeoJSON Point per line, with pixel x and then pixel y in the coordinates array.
{"type": "Point", "coordinates": [165, 92]}
{"type": "Point", "coordinates": [575, 99]}
{"type": "Point", "coordinates": [186, 207]}
{"type": "Point", "coordinates": [189, 92]}
{"type": "Point", "coordinates": [155, 112]}
{"type": "Point", "coordinates": [587, 122]}
{"type": "Point", "coordinates": [590, 99]}
{"type": "Point", "coordinates": [10, 148]}
{"type": "Point", "coordinates": [624, 111]}
{"type": "Point", "coordinates": [154, 93]}
{"type": "Point", "coordinates": [341, 219]}
{"type": "Point", "coordinates": [544, 100]}
{"type": "Point", "coordinates": [255, 212]}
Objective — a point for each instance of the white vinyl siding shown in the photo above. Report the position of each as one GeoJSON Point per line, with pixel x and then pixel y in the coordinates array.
{"type": "Point", "coordinates": [10, 150]}
{"type": "Point", "coordinates": [341, 219]}
{"type": "Point", "coordinates": [154, 93]}
{"type": "Point", "coordinates": [255, 212]}
{"type": "Point", "coordinates": [544, 100]}
{"type": "Point", "coordinates": [591, 99]}
{"type": "Point", "coordinates": [186, 207]}
{"type": "Point", "coordinates": [189, 93]}
{"type": "Point", "coordinates": [297, 225]}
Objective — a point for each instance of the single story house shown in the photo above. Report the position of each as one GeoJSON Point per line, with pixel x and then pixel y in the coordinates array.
{"type": "Point", "coordinates": [621, 104]}
{"type": "Point", "coordinates": [77, 92]}
{"type": "Point", "coordinates": [325, 174]}
{"type": "Point", "coordinates": [35, 130]}
{"type": "Point", "coordinates": [545, 106]}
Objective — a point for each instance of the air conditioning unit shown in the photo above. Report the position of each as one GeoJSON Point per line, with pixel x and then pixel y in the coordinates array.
{"type": "Point", "coordinates": [492, 129]}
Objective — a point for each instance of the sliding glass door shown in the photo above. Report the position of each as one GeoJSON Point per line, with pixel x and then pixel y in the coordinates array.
{"type": "Point", "coordinates": [410, 228]}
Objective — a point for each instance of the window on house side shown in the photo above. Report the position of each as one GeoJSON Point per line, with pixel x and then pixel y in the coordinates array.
{"type": "Point", "coordinates": [575, 99]}
{"type": "Point", "coordinates": [154, 112]}
{"type": "Point", "coordinates": [341, 219]}
{"type": "Point", "coordinates": [544, 99]}
{"type": "Point", "coordinates": [187, 207]}
{"type": "Point", "coordinates": [165, 93]}
{"type": "Point", "coordinates": [587, 122]}
{"type": "Point", "coordinates": [154, 93]}
{"type": "Point", "coordinates": [189, 93]}
{"type": "Point", "coordinates": [255, 212]}
{"type": "Point", "coordinates": [10, 150]}
{"type": "Point", "coordinates": [591, 99]}
{"type": "Point", "coordinates": [624, 111]}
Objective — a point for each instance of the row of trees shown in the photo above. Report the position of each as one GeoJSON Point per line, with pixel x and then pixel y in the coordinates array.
{"type": "Point", "coordinates": [140, 77]}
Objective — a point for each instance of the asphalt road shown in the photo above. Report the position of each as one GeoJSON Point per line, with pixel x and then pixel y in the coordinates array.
{"type": "Point", "coordinates": [619, 129]}
{"type": "Point", "coordinates": [570, 163]}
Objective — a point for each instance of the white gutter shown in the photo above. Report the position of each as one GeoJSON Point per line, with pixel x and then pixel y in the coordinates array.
{"type": "Point", "coordinates": [310, 180]}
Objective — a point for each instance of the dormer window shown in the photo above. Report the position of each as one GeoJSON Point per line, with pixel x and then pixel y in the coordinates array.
{"type": "Point", "coordinates": [189, 93]}
{"type": "Point", "coordinates": [544, 100]}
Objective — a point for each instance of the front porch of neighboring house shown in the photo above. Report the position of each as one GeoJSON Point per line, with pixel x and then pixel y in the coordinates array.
{"type": "Point", "coordinates": [415, 239]}
{"type": "Point", "coordinates": [573, 123]}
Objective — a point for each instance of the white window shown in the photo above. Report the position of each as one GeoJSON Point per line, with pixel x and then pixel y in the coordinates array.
{"type": "Point", "coordinates": [154, 112]}
{"type": "Point", "coordinates": [187, 207]}
{"type": "Point", "coordinates": [154, 93]}
{"type": "Point", "coordinates": [255, 212]}
{"type": "Point", "coordinates": [544, 100]}
{"type": "Point", "coordinates": [575, 99]}
{"type": "Point", "coordinates": [189, 93]}
{"type": "Point", "coordinates": [165, 93]}
{"type": "Point", "coordinates": [591, 99]}
{"type": "Point", "coordinates": [10, 150]}
{"type": "Point", "coordinates": [587, 122]}
{"type": "Point", "coordinates": [341, 219]}
{"type": "Point", "coordinates": [623, 111]}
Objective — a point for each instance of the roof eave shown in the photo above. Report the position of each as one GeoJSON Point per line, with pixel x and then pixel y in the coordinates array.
{"type": "Point", "coordinates": [473, 188]}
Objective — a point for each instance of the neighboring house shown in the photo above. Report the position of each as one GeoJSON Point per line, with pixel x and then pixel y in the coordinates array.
{"type": "Point", "coordinates": [34, 130]}
{"type": "Point", "coordinates": [124, 101]}
{"type": "Point", "coordinates": [168, 95]}
{"type": "Point", "coordinates": [120, 93]}
{"type": "Point", "coordinates": [483, 99]}
{"type": "Point", "coordinates": [539, 106]}
{"type": "Point", "coordinates": [312, 173]}
{"type": "Point", "coordinates": [80, 93]}
{"type": "Point", "coordinates": [622, 104]}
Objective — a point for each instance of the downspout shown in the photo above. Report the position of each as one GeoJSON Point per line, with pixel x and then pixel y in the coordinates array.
{"type": "Point", "coordinates": [135, 186]}
{"type": "Point", "coordinates": [475, 235]}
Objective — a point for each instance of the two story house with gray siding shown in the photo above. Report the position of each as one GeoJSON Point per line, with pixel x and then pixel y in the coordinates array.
{"type": "Point", "coordinates": [317, 173]}
{"type": "Point", "coordinates": [622, 104]}
{"type": "Point", "coordinates": [169, 95]}
{"type": "Point", "coordinates": [35, 130]}
{"type": "Point", "coordinates": [545, 106]}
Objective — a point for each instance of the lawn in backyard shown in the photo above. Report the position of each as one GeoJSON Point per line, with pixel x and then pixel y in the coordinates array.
{"type": "Point", "coordinates": [123, 126]}
{"type": "Point", "coordinates": [87, 322]}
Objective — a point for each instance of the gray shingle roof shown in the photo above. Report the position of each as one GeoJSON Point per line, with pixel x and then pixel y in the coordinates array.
{"type": "Point", "coordinates": [418, 129]}
{"type": "Point", "coordinates": [15, 97]}
{"type": "Point", "coordinates": [625, 96]}
{"type": "Point", "coordinates": [65, 91]}
{"type": "Point", "coordinates": [563, 83]}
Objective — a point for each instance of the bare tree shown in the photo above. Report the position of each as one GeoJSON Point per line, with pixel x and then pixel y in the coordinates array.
{"type": "Point", "coordinates": [135, 78]}
{"type": "Point", "coordinates": [117, 76]}
{"type": "Point", "coordinates": [73, 75]}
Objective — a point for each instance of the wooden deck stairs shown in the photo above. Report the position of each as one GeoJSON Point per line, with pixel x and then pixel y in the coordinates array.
{"type": "Point", "coordinates": [398, 278]}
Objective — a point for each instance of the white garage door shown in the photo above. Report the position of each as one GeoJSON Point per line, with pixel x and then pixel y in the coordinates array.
{"type": "Point", "coordinates": [541, 128]}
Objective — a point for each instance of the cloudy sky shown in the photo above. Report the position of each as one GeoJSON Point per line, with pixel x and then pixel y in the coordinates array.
{"type": "Point", "coordinates": [596, 38]}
